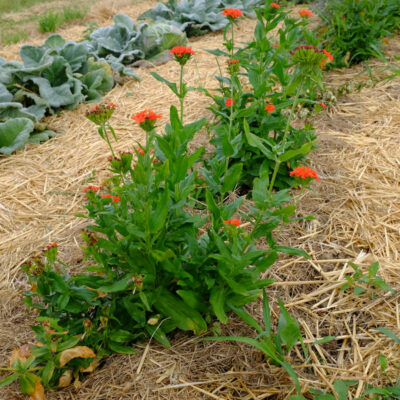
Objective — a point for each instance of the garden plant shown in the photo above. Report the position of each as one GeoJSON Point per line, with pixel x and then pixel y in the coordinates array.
{"type": "Point", "coordinates": [176, 238]}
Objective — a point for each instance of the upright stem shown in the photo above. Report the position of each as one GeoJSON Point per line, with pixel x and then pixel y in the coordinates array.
{"type": "Point", "coordinates": [231, 108]}
{"type": "Point", "coordinates": [181, 95]}
{"type": "Point", "coordinates": [107, 139]}
{"type": "Point", "coordinates": [285, 134]}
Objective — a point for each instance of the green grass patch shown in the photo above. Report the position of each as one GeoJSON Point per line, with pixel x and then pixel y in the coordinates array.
{"type": "Point", "coordinates": [13, 37]}
{"type": "Point", "coordinates": [17, 5]}
{"type": "Point", "coordinates": [53, 20]}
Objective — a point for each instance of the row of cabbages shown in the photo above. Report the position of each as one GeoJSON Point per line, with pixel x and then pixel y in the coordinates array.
{"type": "Point", "coordinates": [62, 74]}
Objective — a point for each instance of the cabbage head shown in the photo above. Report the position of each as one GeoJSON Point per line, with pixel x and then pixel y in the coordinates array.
{"type": "Point", "coordinates": [160, 36]}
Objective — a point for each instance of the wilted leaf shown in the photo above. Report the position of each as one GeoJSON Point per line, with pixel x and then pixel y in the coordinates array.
{"type": "Point", "coordinates": [38, 394]}
{"type": "Point", "coordinates": [76, 352]}
{"type": "Point", "coordinates": [20, 353]}
{"type": "Point", "coordinates": [92, 366]}
{"type": "Point", "coordinates": [65, 379]}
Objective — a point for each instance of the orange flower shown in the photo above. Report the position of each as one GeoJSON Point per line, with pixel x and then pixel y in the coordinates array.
{"type": "Point", "coordinates": [146, 115]}
{"type": "Point", "coordinates": [276, 45]}
{"type": "Point", "coordinates": [94, 188]}
{"type": "Point", "coordinates": [229, 102]}
{"type": "Point", "coordinates": [232, 13]}
{"type": "Point", "coordinates": [328, 54]}
{"type": "Point", "coordinates": [275, 5]}
{"type": "Point", "coordinates": [140, 151]}
{"type": "Point", "coordinates": [180, 51]}
{"type": "Point", "coordinates": [323, 105]}
{"type": "Point", "coordinates": [115, 199]}
{"type": "Point", "coordinates": [304, 172]}
{"type": "Point", "coordinates": [112, 105]}
{"type": "Point", "coordinates": [232, 62]}
{"type": "Point", "coordinates": [305, 13]}
{"type": "Point", "coordinates": [270, 108]}
{"type": "Point", "coordinates": [235, 222]}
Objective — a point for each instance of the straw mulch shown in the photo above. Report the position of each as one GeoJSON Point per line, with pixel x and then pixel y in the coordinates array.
{"type": "Point", "coordinates": [357, 218]}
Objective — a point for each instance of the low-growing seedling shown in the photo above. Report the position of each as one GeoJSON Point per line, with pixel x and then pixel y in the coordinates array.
{"type": "Point", "coordinates": [368, 282]}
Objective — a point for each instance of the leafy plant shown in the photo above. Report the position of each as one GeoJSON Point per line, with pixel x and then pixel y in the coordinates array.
{"type": "Point", "coordinates": [258, 100]}
{"type": "Point", "coordinates": [352, 28]}
{"type": "Point", "coordinates": [122, 43]}
{"type": "Point", "coordinates": [53, 20]}
{"type": "Point", "coordinates": [197, 17]}
{"type": "Point", "coordinates": [361, 282]}
{"type": "Point", "coordinates": [49, 22]}
{"type": "Point", "coordinates": [275, 346]}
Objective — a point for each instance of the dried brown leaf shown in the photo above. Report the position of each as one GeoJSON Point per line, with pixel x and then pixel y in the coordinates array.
{"type": "Point", "coordinates": [20, 353]}
{"type": "Point", "coordinates": [75, 352]}
{"type": "Point", "coordinates": [38, 394]}
{"type": "Point", "coordinates": [65, 379]}
{"type": "Point", "coordinates": [92, 366]}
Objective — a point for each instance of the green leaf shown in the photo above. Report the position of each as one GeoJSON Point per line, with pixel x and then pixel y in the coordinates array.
{"type": "Point", "coordinates": [27, 383]}
{"type": "Point", "coordinates": [121, 336]}
{"type": "Point", "coordinates": [305, 149]}
{"type": "Point", "coordinates": [217, 301]}
{"type": "Point", "coordinates": [231, 177]}
{"type": "Point", "coordinates": [342, 388]}
{"type": "Point", "coordinates": [326, 339]}
{"type": "Point", "coordinates": [47, 372]}
{"type": "Point", "coordinates": [185, 317]}
{"type": "Point", "coordinates": [255, 141]}
{"type": "Point", "coordinates": [266, 314]}
{"type": "Point", "coordinates": [117, 286]}
{"type": "Point", "coordinates": [14, 134]}
{"type": "Point", "coordinates": [288, 330]}
{"type": "Point", "coordinates": [389, 334]}
{"type": "Point", "coordinates": [292, 251]}
{"type": "Point", "coordinates": [119, 348]}
{"type": "Point", "coordinates": [10, 379]}
{"type": "Point", "coordinates": [171, 85]}
{"type": "Point", "coordinates": [70, 342]}
{"type": "Point", "coordinates": [158, 334]}
{"type": "Point", "coordinates": [212, 206]}
{"type": "Point", "coordinates": [160, 213]}
{"type": "Point", "coordinates": [246, 317]}
{"type": "Point", "coordinates": [260, 192]}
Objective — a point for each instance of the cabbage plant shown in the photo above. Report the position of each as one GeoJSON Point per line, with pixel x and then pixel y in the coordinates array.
{"type": "Point", "coordinates": [197, 17]}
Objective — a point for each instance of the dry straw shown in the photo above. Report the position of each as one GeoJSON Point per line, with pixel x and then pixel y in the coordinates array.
{"type": "Point", "coordinates": [357, 218]}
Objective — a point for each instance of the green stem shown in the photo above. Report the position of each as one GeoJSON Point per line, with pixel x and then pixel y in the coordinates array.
{"type": "Point", "coordinates": [285, 134]}
{"type": "Point", "coordinates": [107, 139]}
{"type": "Point", "coordinates": [181, 95]}
{"type": "Point", "coordinates": [231, 110]}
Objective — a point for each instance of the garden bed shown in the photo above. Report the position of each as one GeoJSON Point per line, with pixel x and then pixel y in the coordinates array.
{"type": "Point", "coordinates": [357, 218]}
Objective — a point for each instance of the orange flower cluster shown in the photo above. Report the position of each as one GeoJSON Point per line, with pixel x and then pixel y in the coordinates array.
{"type": "Point", "coordinates": [180, 51]}
{"type": "Point", "coordinates": [232, 62]}
{"type": "Point", "coordinates": [115, 199]}
{"type": "Point", "coordinates": [275, 5]}
{"type": "Point", "coordinates": [235, 222]}
{"type": "Point", "coordinates": [232, 12]}
{"type": "Point", "coordinates": [328, 54]}
{"type": "Point", "coordinates": [304, 172]}
{"type": "Point", "coordinates": [229, 102]}
{"type": "Point", "coordinates": [94, 188]}
{"type": "Point", "coordinates": [305, 13]}
{"type": "Point", "coordinates": [142, 116]}
{"type": "Point", "coordinates": [270, 108]}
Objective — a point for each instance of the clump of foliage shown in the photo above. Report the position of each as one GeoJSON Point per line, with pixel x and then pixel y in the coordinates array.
{"type": "Point", "coordinates": [51, 21]}
{"type": "Point", "coordinates": [353, 28]}
{"type": "Point", "coordinates": [123, 43]}
{"type": "Point", "coordinates": [197, 17]}
{"type": "Point", "coordinates": [265, 84]}
{"type": "Point", "coordinates": [61, 74]}
{"type": "Point", "coordinates": [369, 282]}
